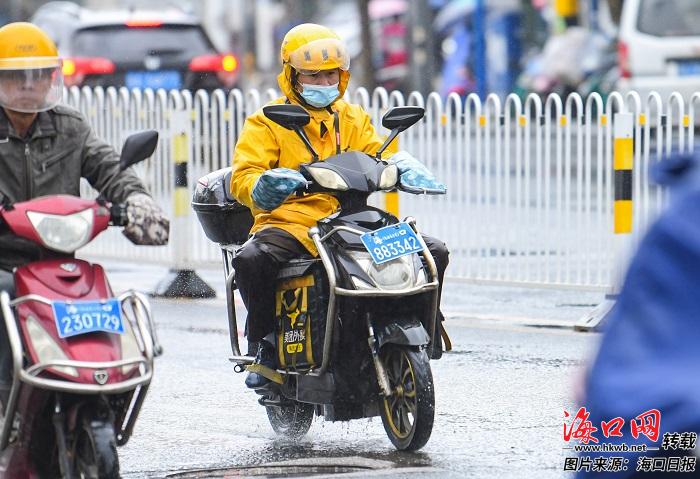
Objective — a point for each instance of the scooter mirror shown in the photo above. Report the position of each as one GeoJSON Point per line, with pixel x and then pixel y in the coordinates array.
{"type": "Point", "coordinates": [397, 120]}
{"type": "Point", "coordinates": [402, 117]}
{"type": "Point", "coordinates": [138, 147]}
{"type": "Point", "coordinates": [288, 116]}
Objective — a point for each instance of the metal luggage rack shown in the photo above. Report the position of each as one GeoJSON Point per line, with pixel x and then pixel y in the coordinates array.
{"type": "Point", "coordinates": [141, 321]}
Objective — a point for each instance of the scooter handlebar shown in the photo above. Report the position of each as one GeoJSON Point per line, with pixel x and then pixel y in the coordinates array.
{"type": "Point", "coordinates": [118, 216]}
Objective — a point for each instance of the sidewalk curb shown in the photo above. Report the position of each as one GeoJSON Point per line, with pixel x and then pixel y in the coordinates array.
{"type": "Point", "coordinates": [512, 320]}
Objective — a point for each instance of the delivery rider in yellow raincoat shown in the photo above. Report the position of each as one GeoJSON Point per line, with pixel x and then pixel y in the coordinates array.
{"type": "Point", "coordinates": [315, 74]}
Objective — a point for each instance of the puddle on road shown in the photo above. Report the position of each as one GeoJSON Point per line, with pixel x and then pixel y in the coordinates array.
{"type": "Point", "coordinates": [268, 471]}
{"type": "Point", "coordinates": [286, 450]}
{"type": "Point", "coordinates": [305, 467]}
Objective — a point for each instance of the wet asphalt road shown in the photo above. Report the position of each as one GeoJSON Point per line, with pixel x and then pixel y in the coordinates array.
{"type": "Point", "coordinates": [500, 397]}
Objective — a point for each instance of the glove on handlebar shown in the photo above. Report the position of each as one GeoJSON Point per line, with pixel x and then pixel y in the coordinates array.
{"type": "Point", "coordinates": [414, 177]}
{"type": "Point", "coordinates": [274, 186]}
{"type": "Point", "coordinates": [147, 224]}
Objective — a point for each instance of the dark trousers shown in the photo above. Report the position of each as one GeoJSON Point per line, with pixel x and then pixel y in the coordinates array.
{"type": "Point", "coordinates": [7, 283]}
{"type": "Point", "coordinates": [259, 261]}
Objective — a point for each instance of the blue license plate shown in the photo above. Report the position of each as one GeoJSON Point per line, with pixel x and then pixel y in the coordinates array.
{"type": "Point", "coordinates": [689, 68]}
{"type": "Point", "coordinates": [169, 80]}
{"type": "Point", "coordinates": [80, 317]}
{"type": "Point", "coordinates": [391, 242]}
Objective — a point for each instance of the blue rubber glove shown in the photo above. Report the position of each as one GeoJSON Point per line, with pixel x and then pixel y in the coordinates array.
{"type": "Point", "coordinates": [414, 177]}
{"type": "Point", "coordinates": [274, 186]}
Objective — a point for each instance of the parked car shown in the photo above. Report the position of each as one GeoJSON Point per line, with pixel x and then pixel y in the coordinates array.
{"type": "Point", "coordinates": [137, 49]}
{"type": "Point", "coordinates": [659, 47]}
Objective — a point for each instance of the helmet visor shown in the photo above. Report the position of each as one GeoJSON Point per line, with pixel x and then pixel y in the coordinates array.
{"type": "Point", "coordinates": [31, 90]}
{"type": "Point", "coordinates": [321, 54]}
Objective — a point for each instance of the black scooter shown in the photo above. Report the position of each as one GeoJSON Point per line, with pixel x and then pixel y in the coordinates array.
{"type": "Point", "coordinates": [356, 325]}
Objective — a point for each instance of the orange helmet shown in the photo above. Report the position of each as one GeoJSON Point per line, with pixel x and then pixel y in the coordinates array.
{"type": "Point", "coordinates": [30, 69]}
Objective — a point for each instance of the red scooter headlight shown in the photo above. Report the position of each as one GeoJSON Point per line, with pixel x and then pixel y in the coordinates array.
{"type": "Point", "coordinates": [46, 348]}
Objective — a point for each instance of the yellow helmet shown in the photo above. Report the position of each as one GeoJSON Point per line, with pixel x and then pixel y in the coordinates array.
{"type": "Point", "coordinates": [309, 48]}
{"type": "Point", "coordinates": [30, 69]}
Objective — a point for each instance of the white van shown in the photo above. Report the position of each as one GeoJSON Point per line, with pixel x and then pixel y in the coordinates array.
{"type": "Point", "coordinates": [659, 47]}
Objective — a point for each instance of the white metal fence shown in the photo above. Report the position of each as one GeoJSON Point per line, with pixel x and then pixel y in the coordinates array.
{"type": "Point", "coordinates": [530, 183]}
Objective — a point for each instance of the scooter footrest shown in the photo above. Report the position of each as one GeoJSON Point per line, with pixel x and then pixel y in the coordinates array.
{"type": "Point", "coordinates": [265, 401]}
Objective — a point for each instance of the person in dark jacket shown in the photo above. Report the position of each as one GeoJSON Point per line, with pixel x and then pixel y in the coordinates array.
{"type": "Point", "coordinates": [46, 148]}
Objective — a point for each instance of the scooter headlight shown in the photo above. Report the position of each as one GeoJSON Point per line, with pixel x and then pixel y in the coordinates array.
{"type": "Point", "coordinates": [394, 274]}
{"type": "Point", "coordinates": [64, 233]}
{"type": "Point", "coordinates": [328, 178]}
{"type": "Point", "coordinates": [389, 177]}
{"type": "Point", "coordinates": [398, 273]}
{"type": "Point", "coordinates": [46, 349]}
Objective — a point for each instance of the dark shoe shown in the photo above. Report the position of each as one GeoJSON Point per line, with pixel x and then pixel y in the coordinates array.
{"type": "Point", "coordinates": [265, 357]}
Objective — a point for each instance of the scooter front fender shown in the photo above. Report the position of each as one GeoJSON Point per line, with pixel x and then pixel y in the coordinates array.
{"type": "Point", "coordinates": [407, 333]}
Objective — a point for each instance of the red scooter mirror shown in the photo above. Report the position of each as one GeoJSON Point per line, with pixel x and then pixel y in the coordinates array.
{"type": "Point", "coordinates": [138, 147]}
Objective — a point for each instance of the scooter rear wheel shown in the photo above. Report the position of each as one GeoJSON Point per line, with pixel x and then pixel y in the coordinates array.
{"type": "Point", "coordinates": [292, 421]}
{"type": "Point", "coordinates": [409, 412]}
{"type": "Point", "coordinates": [95, 451]}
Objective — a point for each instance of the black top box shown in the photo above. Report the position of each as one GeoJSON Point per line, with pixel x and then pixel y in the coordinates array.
{"type": "Point", "coordinates": [224, 220]}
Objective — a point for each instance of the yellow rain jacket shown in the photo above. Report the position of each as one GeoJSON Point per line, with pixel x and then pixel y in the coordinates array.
{"type": "Point", "coordinates": [264, 145]}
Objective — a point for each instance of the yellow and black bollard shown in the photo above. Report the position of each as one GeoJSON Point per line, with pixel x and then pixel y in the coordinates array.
{"type": "Point", "coordinates": [623, 216]}
{"type": "Point", "coordinates": [623, 160]}
{"type": "Point", "coordinates": [182, 281]}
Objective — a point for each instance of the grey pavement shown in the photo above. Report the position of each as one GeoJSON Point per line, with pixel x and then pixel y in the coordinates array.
{"type": "Point", "coordinates": [500, 396]}
{"type": "Point", "coordinates": [516, 366]}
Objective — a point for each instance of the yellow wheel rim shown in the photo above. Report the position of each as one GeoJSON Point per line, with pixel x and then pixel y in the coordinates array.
{"type": "Point", "coordinates": [400, 408]}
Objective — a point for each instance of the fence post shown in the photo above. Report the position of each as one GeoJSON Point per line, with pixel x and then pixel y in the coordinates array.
{"type": "Point", "coordinates": [181, 281]}
{"type": "Point", "coordinates": [623, 164]}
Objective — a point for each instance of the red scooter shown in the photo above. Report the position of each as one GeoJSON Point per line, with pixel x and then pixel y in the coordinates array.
{"type": "Point", "coordinates": [82, 357]}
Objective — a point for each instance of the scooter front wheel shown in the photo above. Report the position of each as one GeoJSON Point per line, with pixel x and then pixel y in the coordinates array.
{"type": "Point", "coordinates": [95, 451]}
{"type": "Point", "coordinates": [292, 421]}
{"type": "Point", "coordinates": [408, 413]}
